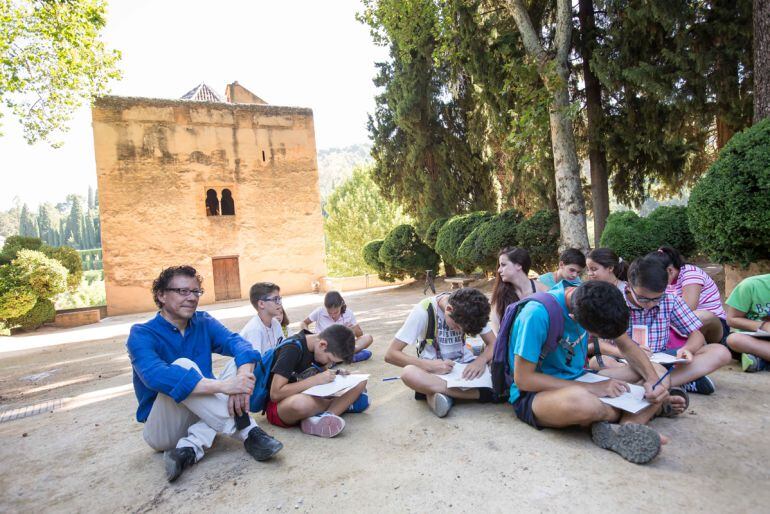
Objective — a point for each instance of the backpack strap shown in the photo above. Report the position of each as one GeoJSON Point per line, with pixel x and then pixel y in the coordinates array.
{"type": "Point", "coordinates": [555, 322]}
{"type": "Point", "coordinates": [430, 331]}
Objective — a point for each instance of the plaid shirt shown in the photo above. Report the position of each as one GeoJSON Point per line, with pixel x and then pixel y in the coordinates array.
{"type": "Point", "coordinates": [670, 312]}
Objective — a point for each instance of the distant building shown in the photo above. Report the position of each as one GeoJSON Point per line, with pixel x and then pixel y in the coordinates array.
{"type": "Point", "coordinates": [229, 186]}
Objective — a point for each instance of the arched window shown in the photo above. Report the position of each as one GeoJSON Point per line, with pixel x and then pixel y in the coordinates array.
{"type": "Point", "coordinates": [228, 205]}
{"type": "Point", "coordinates": [212, 203]}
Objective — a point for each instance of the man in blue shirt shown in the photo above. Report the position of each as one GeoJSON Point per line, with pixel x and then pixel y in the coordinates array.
{"type": "Point", "coordinates": [181, 404]}
{"type": "Point", "coordinates": [545, 393]}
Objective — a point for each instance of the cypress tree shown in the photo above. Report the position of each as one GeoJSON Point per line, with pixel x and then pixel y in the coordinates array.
{"type": "Point", "coordinates": [27, 224]}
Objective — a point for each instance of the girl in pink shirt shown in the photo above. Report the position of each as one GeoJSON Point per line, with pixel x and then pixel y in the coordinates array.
{"type": "Point", "coordinates": [699, 292]}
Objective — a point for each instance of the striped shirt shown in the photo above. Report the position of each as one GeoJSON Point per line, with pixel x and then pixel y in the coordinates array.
{"type": "Point", "coordinates": [670, 312]}
{"type": "Point", "coordinates": [709, 299]}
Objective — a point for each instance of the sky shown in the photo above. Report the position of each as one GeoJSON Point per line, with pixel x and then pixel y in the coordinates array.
{"type": "Point", "coordinates": [306, 53]}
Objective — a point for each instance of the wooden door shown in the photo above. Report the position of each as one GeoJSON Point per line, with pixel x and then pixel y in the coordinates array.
{"type": "Point", "coordinates": [227, 279]}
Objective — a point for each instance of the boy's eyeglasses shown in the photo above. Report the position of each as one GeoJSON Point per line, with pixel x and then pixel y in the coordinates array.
{"type": "Point", "coordinates": [277, 299]}
{"type": "Point", "coordinates": [644, 299]}
{"type": "Point", "coordinates": [183, 291]}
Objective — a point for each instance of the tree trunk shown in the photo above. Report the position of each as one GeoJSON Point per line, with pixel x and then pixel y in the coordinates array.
{"type": "Point", "coordinates": [569, 193]}
{"type": "Point", "coordinates": [761, 60]}
{"type": "Point", "coordinates": [600, 195]}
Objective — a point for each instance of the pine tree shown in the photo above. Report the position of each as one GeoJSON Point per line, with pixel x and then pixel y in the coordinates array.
{"type": "Point", "coordinates": [27, 224]}
{"type": "Point", "coordinates": [419, 130]}
{"type": "Point", "coordinates": [74, 234]}
{"type": "Point", "coordinates": [45, 225]}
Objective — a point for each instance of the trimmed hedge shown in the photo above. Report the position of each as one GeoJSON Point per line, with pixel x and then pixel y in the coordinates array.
{"type": "Point", "coordinates": [432, 233]}
{"type": "Point", "coordinates": [539, 235]}
{"type": "Point", "coordinates": [403, 250]}
{"type": "Point", "coordinates": [70, 259]}
{"type": "Point", "coordinates": [453, 233]}
{"type": "Point", "coordinates": [631, 236]}
{"type": "Point", "coordinates": [730, 206]}
{"type": "Point", "coordinates": [13, 244]}
{"type": "Point", "coordinates": [42, 312]}
{"type": "Point", "coordinates": [494, 235]}
{"type": "Point", "coordinates": [371, 254]}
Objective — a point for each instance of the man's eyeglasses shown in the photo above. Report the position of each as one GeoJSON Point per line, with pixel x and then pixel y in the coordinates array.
{"type": "Point", "coordinates": [183, 291]}
{"type": "Point", "coordinates": [277, 299]}
{"type": "Point", "coordinates": [644, 299]}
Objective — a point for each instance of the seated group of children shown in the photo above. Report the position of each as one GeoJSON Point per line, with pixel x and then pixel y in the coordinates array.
{"type": "Point", "coordinates": [657, 305]}
{"type": "Point", "coordinates": [612, 324]}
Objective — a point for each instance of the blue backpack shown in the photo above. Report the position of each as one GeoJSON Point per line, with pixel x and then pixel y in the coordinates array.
{"type": "Point", "coordinates": [261, 394]}
{"type": "Point", "coordinates": [502, 373]}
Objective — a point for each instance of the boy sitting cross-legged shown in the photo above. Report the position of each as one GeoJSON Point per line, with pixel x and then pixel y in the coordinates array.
{"type": "Point", "coordinates": [571, 265]}
{"type": "Point", "coordinates": [452, 317]}
{"type": "Point", "coordinates": [545, 392]}
{"type": "Point", "coordinates": [297, 367]}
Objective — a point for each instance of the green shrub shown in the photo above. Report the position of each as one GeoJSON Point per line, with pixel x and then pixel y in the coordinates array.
{"type": "Point", "coordinates": [403, 251]}
{"type": "Point", "coordinates": [42, 312]}
{"type": "Point", "coordinates": [432, 233]}
{"type": "Point", "coordinates": [16, 301]}
{"type": "Point", "coordinates": [632, 236]}
{"type": "Point", "coordinates": [13, 244]}
{"type": "Point", "coordinates": [670, 227]}
{"type": "Point", "coordinates": [453, 233]}
{"type": "Point", "coordinates": [469, 254]}
{"type": "Point", "coordinates": [539, 234]}
{"type": "Point", "coordinates": [729, 208]}
{"type": "Point", "coordinates": [371, 254]}
{"type": "Point", "coordinates": [628, 235]}
{"type": "Point", "coordinates": [46, 277]}
{"type": "Point", "coordinates": [494, 235]}
{"type": "Point", "coordinates": [70, 259]}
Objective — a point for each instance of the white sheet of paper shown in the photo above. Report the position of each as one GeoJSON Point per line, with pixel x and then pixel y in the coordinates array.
{"type": "Point", "coordinates": [664, 358]}
{"type": "Point", "coordinates": [631, 402]}
{"type": "Point", "coordinates": [340, 382]}
{"type": "Point", "coordinates": [455, 378]}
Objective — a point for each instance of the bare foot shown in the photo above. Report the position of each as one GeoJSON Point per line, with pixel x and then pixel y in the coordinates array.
{"type": "Point", "coordinates": [678, 404]}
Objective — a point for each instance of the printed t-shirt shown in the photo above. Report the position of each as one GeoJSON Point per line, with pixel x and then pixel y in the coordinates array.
{"type": "Point", "coordinates": [261, 337]}
{"type": "Point", "coordinates": [709, 299]}
{"type": "Point", "coordinates": [320, 316]}
{"type": "Point", "coordinates": [450, 342]}
{"type": "Point", "coordinates": [752, 296]}
{"type": "Point", "coordinates": [528, 335]}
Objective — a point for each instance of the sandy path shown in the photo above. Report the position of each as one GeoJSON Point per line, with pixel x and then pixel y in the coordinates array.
{"type": "Point", "coordinates": [396, 457]}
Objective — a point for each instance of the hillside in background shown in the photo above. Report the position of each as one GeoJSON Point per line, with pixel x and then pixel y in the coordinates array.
{"type": "Point", "coordinates": [335, 165]}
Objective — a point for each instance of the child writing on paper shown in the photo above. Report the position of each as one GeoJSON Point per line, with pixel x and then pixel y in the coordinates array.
{"type": "Point", "coordinates": [335, 311]}
{"type": "Point", "coordinates": [464, 312]}
{"type": "Point", "coordinates": [748, 309]}
{"type": "Point", "coordinates": [652, 307]}
{"type": "Point", "coordinates": [299, 367]}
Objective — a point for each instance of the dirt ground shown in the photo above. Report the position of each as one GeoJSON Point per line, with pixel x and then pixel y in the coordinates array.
{"type": "Point", "coordinates": [88, 454]}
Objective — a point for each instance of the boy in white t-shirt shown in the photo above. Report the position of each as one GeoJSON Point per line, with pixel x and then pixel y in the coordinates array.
{"type": "Point", "coordinates": [464, 312]}
{"type": "Point", "coordinates": [264, 330]}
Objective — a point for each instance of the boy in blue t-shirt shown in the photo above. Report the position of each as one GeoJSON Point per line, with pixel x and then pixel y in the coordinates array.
{"type": "Point", "coordinates": [571, 265]}
{"type": "Point", "coordinates": [545, 394]}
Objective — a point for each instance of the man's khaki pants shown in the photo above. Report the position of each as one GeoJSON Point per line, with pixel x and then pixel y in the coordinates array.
{"type": "Point", "coordinates": [193, 423]}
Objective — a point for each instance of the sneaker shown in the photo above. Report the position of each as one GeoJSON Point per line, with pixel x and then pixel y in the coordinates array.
{"type": "Point", "coordinates": [751, 363]}
{"type": "Point", "coordinates": [177, 460]}
{"type": "Point", "coordinates": [325, 424]}
{"type": "Point", "coordinates": [260, 445]}
{"type": "Point", "coordinates": [634, 442]}
{"type": "Point", "coordinates": [361, 356]}
{"type": "Point", "coordinates": [360, 405]}
{"type": "Point", "coordinates": [441, 404]}
{"type": "Point", "coordinates": [704, 385]}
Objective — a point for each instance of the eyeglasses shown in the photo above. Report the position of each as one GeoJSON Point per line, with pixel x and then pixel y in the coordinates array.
{"type": "Point", "coordinates": [644, 299]}
{"type": "Point", "coordinates": [183, 291]}
{"type": "Point", "coordinates": [277, 299]}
